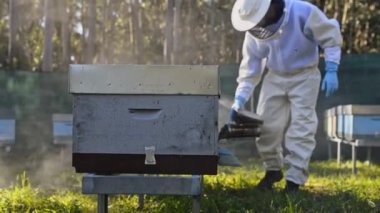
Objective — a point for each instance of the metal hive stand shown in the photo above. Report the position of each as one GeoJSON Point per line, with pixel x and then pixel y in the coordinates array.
{"type": "Point", "coordinates": [140, 185]}
{"type": "Point", "coordinates": [354, 145]}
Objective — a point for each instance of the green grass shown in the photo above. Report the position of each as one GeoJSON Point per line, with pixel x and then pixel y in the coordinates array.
{"type": "Point", "coordinates": [329, 189]}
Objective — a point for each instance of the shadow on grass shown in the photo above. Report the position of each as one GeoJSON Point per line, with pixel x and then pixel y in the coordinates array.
{"type": "Point", "coordinates": [221, 198]}
{"type": "Point", "coordinates": [329, 189]}
{"type": "Point", "coordinates": [252, 200]}
{"type": "Point", "coordinates": [332, 168]}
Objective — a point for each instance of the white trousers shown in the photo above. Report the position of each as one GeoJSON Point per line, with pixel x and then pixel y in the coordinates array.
{"type": "Point", "coordinates": [287, 106]}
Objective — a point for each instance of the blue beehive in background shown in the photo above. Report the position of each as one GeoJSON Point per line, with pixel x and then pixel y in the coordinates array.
{"type": "Point", "coordinates": [361, 122]}
{"type": "Point", "coordinates": [62, 129]}
{"type": "Point", "coordinates": [7, 129]}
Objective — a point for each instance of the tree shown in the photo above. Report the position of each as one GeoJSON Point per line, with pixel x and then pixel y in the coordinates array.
{"type": "Point", "coordinates": [65, 34]}
{"type": "Point", "coordinates": [111, 35]}
{"type": "Point", "coordinates": [136, 30]}
{"type": "Point", "coordinates": [156, 31]}
{"type": "Point", "coordinates": [189, 33]}
{"type": "Point", "coordinates": [168, 45]}
{"type": "Point", "coordinates": [103, 47]}
{"type": "Point", "coordinates": [212, 33]}
{"type": "Point", "coordinates": [13, 25]}
{"type": "Point", "coordinates": [90, 47]}
{"type": "Point", "coordinates": [47, 62]}
{"type": "Point", "coordinates": [177, 32]}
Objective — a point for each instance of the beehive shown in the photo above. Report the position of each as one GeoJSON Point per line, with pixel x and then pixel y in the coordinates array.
{"type": "Point", "coordinates": [145, 119]}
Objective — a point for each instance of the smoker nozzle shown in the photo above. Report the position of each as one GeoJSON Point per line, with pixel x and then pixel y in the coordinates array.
{"type": "Point", "coordinates": [238, 131]}
{"type": "Point", "coordinates": [247, 124]}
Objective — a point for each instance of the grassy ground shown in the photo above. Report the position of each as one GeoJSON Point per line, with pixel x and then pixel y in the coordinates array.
{"type": "Point", "coordinates": [329, 189]}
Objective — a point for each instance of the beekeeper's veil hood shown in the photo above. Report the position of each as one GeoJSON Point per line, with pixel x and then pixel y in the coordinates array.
{"type": "Point", "coordinates": [246, 14]}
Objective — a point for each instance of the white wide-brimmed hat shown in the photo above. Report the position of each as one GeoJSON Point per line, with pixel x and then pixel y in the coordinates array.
{"type": "Point", "coordinates": [248, 13]}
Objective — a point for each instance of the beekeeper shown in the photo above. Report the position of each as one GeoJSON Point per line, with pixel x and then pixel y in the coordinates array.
{"type": "Point", "coordinates": [284, 36]}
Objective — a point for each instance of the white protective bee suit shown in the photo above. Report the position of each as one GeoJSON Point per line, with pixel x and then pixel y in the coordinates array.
{"type": "Point", "coordinates": [290, 89]}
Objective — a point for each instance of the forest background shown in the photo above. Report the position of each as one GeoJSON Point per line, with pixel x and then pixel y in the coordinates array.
{"type": "Point", "coordinates": [47, 35]}
{"type": "Point", "coordinates": [40, 38]}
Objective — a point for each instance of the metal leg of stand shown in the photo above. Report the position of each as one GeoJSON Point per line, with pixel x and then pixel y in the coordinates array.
{"type": "Point", "coordinates": [338, 153]}
{"type": "Point", "coordinates": [354, 169]}
{"type": "Point", "coordinates": [369, 155]}
{"type": "Point", "coordinates": [329, 150]}
{"type": "Point", "coordinates": [102, 203]}
{"type": "Point", "coordinates": [197, 198]}
{"type": "Point", "coordinates": [196, 204]}
{"type": "Point", "coordinates": [141, 198]}
{"type": "Point", "coordinates": [141, 202]}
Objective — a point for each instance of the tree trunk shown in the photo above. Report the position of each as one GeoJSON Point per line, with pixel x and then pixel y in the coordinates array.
{"type": "Point", "coordinates": [83, 21]}
{"type": "Point", "coordinates": [168, 46]}
{"type": "Point", "coordinates": [124, 15]}
{"type": "Point", "coordinates": [345, 19]}
{"type": "Point", "coordinates": [65, 36]}
{"type": "Point", "coordinates": [90, 48]}
{"type": "Point", "coordinates": [156, 29]}
{"type": "Point", "coordinates": [47, 61]}
{"type": "Point", "coordinates": [137, 36]}
{"type": "Point", "coordinates": [212, 34]}
{"type": "Point", "coordinates": [13, 25]}
{"type": "Point", "coordinates": [223, 42]}
{"type": "Point", "coordinates": [192, 46]}
{"type": "Point", "coordinates": [337, 10]}
{"type": "Point", "coordinates": [351, 40]}
{"type": "Point", "coordinates": [111, 47]}
{"type": "Point", "coordinates": [177, 33]}
{"type": "Point", "coordinates": [130, 25]}
{"type": "Point", "coordinates": [104, 48]}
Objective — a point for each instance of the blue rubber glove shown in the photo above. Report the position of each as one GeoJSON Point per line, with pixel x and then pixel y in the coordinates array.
{"type": "Point", "coordinates": [238, 105]}
{"type": "Point", "coordinates": [330, 82]}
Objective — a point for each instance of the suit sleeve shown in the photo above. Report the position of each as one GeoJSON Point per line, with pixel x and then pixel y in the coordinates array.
{"type": "Point", "coordinates": [326, 32]}
{"type": "Point", "coordinates": [250, 70]}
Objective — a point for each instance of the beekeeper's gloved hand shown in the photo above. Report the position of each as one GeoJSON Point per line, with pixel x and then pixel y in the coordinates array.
{"type": "Point", "coordinates": [330, 81]}
{"type": "Point", "coordinates": [236, 106]}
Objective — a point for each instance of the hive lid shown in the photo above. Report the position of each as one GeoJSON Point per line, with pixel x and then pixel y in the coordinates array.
{"type": "Point", "coordinates": [330, 112]}
{"type": "Point", "coordinates": [144, 79]}
{"type": "Point", "coordinates": [361, 109]}
{"type": "Point", "coordinates": [60, 117]}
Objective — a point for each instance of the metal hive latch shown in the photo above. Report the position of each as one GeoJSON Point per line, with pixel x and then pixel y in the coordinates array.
{"type": "Point", "coordinates": [149, 155]}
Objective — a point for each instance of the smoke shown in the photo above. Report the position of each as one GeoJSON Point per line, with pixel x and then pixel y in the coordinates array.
{"type": "Point", "coordinates": [4, 175]}
{"type": "Point", "coordinates": [35, 97]}
{"type": "Point", "coordinates": [242, 148]}
{"type": "Point", "coordinates": [46, 170]}
{"type": "Point", "coordinates": [54, 171]}
{"type": "Point", "coordinates": [45, 163]}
